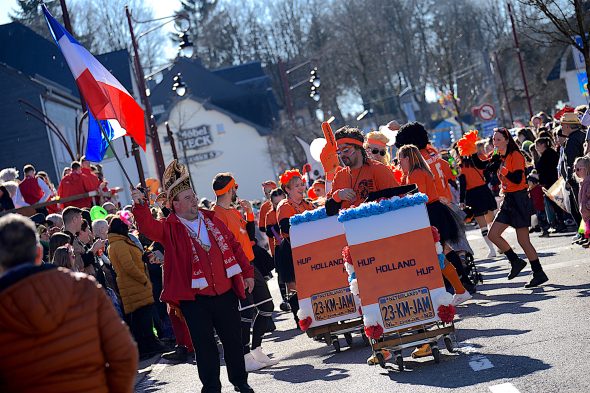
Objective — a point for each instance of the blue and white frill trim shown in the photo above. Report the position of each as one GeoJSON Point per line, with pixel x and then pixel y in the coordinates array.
{"type": "Point", "coordinates": [308, 216]}
{"type": "Point", "coordinates": [384, 206]}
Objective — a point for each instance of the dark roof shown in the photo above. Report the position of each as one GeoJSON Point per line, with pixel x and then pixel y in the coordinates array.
{"type": "Point", "coordinates": [225, 88]}
{"type": "Point", "coordinates": [242, 72]}
{"type": "Point", "coordinates": [555, 72]}
{"type": "Point", "coordinates": [26, 136]}
{"type": "Point", "coordinates": [32, 54]}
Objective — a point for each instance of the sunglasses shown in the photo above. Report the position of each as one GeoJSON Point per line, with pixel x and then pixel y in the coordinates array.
{"type": "Point", "coordinates": [345, 150]}
{"type": "Point", "coordinates": [377, 151]}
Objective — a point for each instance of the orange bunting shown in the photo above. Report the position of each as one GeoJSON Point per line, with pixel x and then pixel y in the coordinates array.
{"type": "Point", "coordinates": [466, 145]}
{"type": "Point", "coordinates": [289, 175]}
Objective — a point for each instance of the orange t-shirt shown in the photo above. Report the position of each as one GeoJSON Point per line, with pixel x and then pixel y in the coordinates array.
{"type": "Point", "coordinates": [441, 170]}
{"type": "Point", "coordinates": [372, 176]}
{"type": "Point", "coordinates": [269, 220]}
{"type": "Point", "coordinates": [287, 209]}
{"type": "Point", "coordinates": [425, 183]}
{"type": "Point", "coordinates": [473, 177]}
{"type": "Point", "coordinates": [512, 162]}
{"type": "Point", "coordinates": [234, 221]}
{"type": "Point", "coordinates": [264, 209]}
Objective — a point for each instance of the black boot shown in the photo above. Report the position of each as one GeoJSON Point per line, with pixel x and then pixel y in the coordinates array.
{"type": "Point", "coordinates": [517, 264]}
{"type": "Point", "coordinates": [539, 276]}
{"type": "Point", "coordinates": [294, 303]}
{"type": "Point", "coordinates": [179, 355]}
{"type": "Point", "coordinates": [243, 388]}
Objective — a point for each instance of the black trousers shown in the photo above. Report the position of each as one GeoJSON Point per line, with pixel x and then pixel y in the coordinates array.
{"type": "Point", "coordinates": [261, 314]}
{"type": "Point", "coordinates": [204, 314]}
{"type": "Point", "coordinates": [140, 324]}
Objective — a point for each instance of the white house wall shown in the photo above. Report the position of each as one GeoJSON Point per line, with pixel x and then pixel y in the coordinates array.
{"type": "Point", "coordinates": [241, 149]}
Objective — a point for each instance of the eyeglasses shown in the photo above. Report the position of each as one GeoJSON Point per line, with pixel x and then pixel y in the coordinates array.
{"type": "Point", "coordinates": [377, 151]}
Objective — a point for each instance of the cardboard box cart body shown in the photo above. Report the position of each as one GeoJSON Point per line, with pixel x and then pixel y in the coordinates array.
{"type": "Point", "coordinates": [399, 278]}
{"type": "Point", "coordinates": [322, 282]}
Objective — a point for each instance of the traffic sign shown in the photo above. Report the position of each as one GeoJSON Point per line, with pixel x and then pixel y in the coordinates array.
{"type": "Point", "coordinates": [487, 112]}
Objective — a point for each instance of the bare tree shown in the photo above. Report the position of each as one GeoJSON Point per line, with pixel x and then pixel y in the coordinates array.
{"type": "Point", "coordinates": [561, 21]}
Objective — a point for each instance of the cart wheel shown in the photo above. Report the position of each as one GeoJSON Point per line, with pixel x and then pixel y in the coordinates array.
{"type": "Point", "coordinates": [436, 354]}
{"type": "Point", "coordinates": [449, 344]}
{"type": "Point", "coordinates": [366, 340]}
{"type": "Point", "coordinates": [336, 345]}
{"type": "Point", "coordinates": [380, 359]}
{"type": "Point", "coordinates": [348, 338]}
{"type": "Point", "coordinates": [399, 360]}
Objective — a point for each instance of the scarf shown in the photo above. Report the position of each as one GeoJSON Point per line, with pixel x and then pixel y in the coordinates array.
{"type": "Point", "coordinates": [232, 268]}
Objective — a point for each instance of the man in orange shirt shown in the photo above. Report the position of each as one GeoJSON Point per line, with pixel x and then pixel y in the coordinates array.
{"type": "Point", "coordinates": [260, 299]}
{"type": "Point", "coordinates": [267, 187]}
{"type": "Point", "coordinates": [359, 177]}
{"type": "Point", "coordinates": [415, 134]}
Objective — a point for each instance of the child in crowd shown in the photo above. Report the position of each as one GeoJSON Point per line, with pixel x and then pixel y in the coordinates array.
{"type": "Point", "coordinates": [537, 196]}
{"type": "Point", "coordinates": [582, 174]}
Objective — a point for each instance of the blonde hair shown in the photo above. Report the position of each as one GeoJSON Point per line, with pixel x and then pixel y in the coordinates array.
{"type": "Point", "coordinates": [416, 159]}
{"type": "Point", "coordinates": [585, 163]}
{"type": "Point", "coordinates": [381, 137]}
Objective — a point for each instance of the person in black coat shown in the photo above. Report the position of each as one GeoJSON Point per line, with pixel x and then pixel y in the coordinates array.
{"type": "Point", "coordinates": [547, 169]}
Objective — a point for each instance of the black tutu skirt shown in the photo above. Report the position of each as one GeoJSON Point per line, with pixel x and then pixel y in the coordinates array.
{"type": "Point", "coordinates": [447, 222]}
{"type": "Point", "coordinates": [480, 200]}
{"type": "Point", "coordinates": [516, 209]}
{"type": "Point", "coordinates": [284, 262]}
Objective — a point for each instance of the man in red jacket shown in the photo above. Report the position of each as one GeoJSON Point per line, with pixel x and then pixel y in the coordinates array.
{"type": "Point", "coordinates": [205, 272]}
{"type": "Point", "coordinates": [74, 184]}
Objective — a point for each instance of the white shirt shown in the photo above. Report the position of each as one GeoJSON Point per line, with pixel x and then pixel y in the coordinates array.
{"type": "Point", "coordinates": [19, 201]}
{"type": "Point", "coordinates": [198, 227]}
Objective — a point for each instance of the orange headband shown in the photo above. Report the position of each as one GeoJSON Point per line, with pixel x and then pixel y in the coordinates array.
{"type": "Point", "coordinates": [226, 189]}
{"type": "Point", "coordinates": [348, 141]}
{"type": "Point", "coordinates": [376, 142]}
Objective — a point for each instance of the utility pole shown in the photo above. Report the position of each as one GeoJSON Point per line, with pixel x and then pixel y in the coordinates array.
{"type": "Point", "coordinates": [517, 46]}
{"type": "Point", "coordinates": [153, 128]}
{"type": "Point", "coordinates": [501, 74]}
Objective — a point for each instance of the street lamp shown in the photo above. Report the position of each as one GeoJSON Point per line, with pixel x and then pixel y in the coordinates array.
{"type": "Point", "coordinates": [186, 46]}
{"type": "Point", "coordinates": [143, 91]}
{"type": "Point", "coordinates": [179, 86]}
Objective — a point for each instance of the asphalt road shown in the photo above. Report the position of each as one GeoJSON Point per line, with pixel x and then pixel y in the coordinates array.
{"type": "Point", "coordinates": [509, 339]}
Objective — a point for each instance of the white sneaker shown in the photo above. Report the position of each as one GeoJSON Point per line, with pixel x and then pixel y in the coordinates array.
{"type": "Point", "coordinates": [252, 364]}
{"type": "Point", "coordinates": [461, 298]}
{"type": "Point", "coordinates": [492, 253]}
{"type": "Point", "coordinates": [261, 357]}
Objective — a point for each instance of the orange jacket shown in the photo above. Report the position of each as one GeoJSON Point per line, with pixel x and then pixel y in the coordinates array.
{"type": "Point", "coordinates": [60, 333]}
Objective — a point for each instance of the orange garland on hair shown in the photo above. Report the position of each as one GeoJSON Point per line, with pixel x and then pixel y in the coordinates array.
{"type": "Point", "coordinates": [467, 144]}
{"type": "Point", "coordinates": [290, 175]}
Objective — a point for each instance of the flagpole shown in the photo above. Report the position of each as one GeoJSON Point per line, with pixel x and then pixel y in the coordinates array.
{"type": "Point", "coordinates": [106, 137]}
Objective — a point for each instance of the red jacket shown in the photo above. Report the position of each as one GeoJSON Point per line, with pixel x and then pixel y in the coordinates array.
{"type": "Point", "coordinates": [30, 190]}
{"type": "Point", "coordinates": [172, 234]}
{"type": "Point", "coordinates": [74, 184]}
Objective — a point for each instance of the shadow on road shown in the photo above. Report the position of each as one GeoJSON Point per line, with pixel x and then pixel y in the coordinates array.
{"type": "Point", "coordinates": [306, 373]}
{"type": "Point", "coordinates": [450, 373]}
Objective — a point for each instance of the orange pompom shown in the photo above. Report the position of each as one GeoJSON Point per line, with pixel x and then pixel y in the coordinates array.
{"type": "Point", "coordinates": [290, 175]}
{"type": "Point", "coordinates": [467, 144]}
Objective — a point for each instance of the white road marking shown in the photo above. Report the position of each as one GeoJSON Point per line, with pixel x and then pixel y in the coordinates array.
{"type": "Point", "coordinates": [479, 363]}
{"type": "Point", "coordinates": [504, 388]}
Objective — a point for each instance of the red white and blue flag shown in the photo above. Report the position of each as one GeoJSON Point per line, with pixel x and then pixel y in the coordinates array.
{"type": "Point", "coordinates": [106, 98]}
